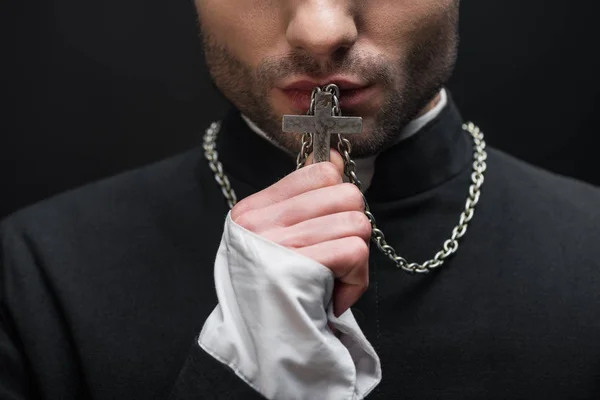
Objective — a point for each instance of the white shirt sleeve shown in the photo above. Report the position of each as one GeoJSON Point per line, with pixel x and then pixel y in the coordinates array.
{"type": "Point", "coordinates": [271, 324]}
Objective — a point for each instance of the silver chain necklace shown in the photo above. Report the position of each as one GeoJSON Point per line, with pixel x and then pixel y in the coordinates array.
{"type": "Point", "coordinates": [449, 247]}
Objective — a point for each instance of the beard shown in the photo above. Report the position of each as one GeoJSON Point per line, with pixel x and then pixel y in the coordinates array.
{"type": "Point", "coordinates": [409, 84]}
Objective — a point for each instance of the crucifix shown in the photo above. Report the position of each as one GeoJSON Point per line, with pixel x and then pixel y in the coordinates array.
{"type": "Point", "coordinates": [322, 125]}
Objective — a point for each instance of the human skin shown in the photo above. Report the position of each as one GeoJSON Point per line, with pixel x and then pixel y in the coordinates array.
{"type": "Point", "coordinates": [314, 213]}
{"type": "Point", "coordinates": [404, 50]}
{"type": "Point", "coordinates": [390, 57]}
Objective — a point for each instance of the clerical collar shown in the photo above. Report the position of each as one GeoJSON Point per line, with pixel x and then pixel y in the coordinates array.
{"type": "Point", "coordinates": [365, 167]}
{"type": "Point", "coordinates": [416, 163]}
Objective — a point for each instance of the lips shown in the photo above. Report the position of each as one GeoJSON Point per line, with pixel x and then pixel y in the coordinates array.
{"type": "Point", "coordinates": [308, 85]}
{"type": "Point", "coordinates": [299, 97]}
{"type": "Point", "coordinates": [352, 93]}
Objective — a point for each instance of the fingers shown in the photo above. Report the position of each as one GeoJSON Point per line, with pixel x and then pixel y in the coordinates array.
{"type": "Point", "coordinates": [344, 296]}
{"type": "Point", "coordinates": [317, 203]}
{"type": "Point", "coordinates": [312, 212]}
{"type": "Point", "coordinates": [311, 177]}
{"type": "Point", "coordinates": [304, 180]}
{"type": "Point", "coordinates": [322, 229]}
{"type": "Point", "coordinates": [334, 157]}
{"type": "Point", "coordinates": [348, 259]}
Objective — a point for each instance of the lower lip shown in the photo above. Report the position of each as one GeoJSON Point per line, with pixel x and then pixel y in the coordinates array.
{"type": "Point", "coordinates": [352, 98]}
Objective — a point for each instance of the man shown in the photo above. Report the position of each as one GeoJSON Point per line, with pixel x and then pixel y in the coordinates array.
{"type": "Point", "coordinates": [109, 291]}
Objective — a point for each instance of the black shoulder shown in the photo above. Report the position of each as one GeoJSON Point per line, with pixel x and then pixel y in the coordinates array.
{"type": "Point", "coordinates": [560, 205]}
{"type": "Point", "coordinates": [541, 182]}
{"type": "Point", "coordinates": [133, 193]}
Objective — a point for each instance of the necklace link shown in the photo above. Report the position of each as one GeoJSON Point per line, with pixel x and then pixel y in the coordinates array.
{"type": "Point", "coordinates": [449, 247]}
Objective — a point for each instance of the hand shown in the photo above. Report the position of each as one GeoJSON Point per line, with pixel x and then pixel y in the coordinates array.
{"type": "Point", "coordinates": [312, 212]}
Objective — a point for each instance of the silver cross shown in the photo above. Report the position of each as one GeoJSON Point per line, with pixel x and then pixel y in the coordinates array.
{"type": "Point", "coordinates": [322, 125]}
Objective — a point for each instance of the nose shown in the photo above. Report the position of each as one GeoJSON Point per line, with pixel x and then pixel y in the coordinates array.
{"type": "Point", "coordinates": [322, 27]}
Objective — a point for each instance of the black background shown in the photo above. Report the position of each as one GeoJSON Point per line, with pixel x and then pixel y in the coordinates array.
{"type": "Point", "coordinates": [92, 88]}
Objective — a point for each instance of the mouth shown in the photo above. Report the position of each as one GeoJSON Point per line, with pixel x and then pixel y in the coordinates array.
{"type": "Point", "coordinates": [352, 93]}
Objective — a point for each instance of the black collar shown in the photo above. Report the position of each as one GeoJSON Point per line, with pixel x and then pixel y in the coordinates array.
{"type": "Point", "coordinates": [434, 155]}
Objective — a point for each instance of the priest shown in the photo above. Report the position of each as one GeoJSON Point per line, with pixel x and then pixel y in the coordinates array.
{"type": "Point", "coordinates": [342, 233]}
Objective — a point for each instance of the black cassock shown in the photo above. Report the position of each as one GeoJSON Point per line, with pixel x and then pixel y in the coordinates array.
{"type": "Point", "coordinates": [104, 289]}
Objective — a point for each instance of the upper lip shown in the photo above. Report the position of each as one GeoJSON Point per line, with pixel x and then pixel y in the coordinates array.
{"type": "Point", "coordinates": [307, 84]}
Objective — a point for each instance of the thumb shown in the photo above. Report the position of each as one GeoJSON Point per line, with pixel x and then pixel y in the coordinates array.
{"type": "Point", "coordinates": [334, 157]}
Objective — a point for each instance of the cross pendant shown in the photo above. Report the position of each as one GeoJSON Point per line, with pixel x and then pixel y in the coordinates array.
{"type": "Point", "coordinates": [322, 125]}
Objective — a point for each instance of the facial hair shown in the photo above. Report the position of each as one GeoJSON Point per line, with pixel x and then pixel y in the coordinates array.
{"type": "Point", "coordinates": [408, 85]}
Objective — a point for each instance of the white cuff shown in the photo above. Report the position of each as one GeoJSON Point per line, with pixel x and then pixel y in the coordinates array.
{"type": "Point", "coordinates": [271, 324]}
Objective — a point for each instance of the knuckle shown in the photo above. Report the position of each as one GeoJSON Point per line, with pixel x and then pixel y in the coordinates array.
{"type": "Point", "coordinates": [353, 196]}
{"type": "Point", "coordinates": [361, 224]}
{"type": "Point", "coordinates": [359, 258]}
{"type": "Point", "coordinates": [364, 286]}
{"type": "Point", "coordinates": [239, 209]}
{"type": "Point", "coordinates": [327, 173]}
{"type": "Point", "coordinates": [246, 221]}
{"type": "Point", "coordinates": [359, 251]}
